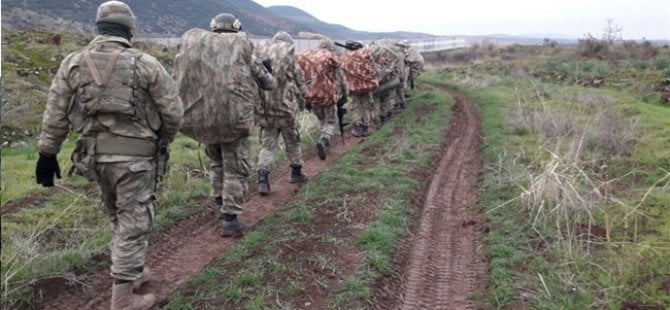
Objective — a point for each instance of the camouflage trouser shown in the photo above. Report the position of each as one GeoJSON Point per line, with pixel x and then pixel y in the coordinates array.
{"type": "Point", "coordinates": [386, 103]}
{"type": "Point", "coordinates": [229, 172]}
{"type": "Point", "coordinates": [400, 94]}
{"type": "Point", "coordinates": [269, 141]}
{"type": "Point", "coordinates": [362, 109]}
{"type": "Point", "coordinates": [327, 118]}
{"type": "Point", "coordinates": [127, 190]}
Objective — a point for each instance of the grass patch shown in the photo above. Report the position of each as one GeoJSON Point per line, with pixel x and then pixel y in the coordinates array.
{"type": "Point", "coordinates": [570, 220]}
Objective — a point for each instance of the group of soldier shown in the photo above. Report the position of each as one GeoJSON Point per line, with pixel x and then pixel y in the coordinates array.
{"type": "Point", "coordinates": [127, 109]}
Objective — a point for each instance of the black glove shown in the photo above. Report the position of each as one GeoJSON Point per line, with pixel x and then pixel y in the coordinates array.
{"type": "Point", "coordinates": [308, 106]}
{"type": "Point", "coordinates": [47, 166]}
{"type": "Point", "coordinates": [268, 64]}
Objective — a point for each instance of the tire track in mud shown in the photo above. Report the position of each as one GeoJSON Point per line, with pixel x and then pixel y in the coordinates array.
{"type": "Point", "coordinates": [189, 246]}
{"type": "Point", "coordinates": [444, 268]}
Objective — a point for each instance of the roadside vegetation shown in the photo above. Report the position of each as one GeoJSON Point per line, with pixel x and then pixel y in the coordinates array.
{"type": "Point", "coordinates": [577, 185]}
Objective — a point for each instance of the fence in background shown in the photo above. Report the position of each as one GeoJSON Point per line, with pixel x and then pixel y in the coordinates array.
{"type": "Point", "coordinates": [422, 45]}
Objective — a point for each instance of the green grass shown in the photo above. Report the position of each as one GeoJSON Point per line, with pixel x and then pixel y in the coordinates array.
{"type": "Point", "coordinates": [265, 269]}
{"type": "Point", "coordinates": [524, 256]}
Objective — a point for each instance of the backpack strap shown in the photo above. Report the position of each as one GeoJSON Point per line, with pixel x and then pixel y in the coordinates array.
{"type": "Point", "coordinates": [108, 70]}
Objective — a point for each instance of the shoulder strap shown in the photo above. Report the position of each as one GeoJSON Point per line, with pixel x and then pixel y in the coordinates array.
{"type": "Point", "coordinates": [108, 70]}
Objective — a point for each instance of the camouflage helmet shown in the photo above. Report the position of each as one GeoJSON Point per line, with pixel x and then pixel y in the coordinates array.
{"type": "Point", "coordinates": [115, 12]}
{"type": "Point", "coordinates": [282, 36]}
{"type": "Point", "coordinates": [404, 44]}
{"type": "Point", "coordinates": [225, 22]}
{"type": "Point", "coordinates": [328, 44]}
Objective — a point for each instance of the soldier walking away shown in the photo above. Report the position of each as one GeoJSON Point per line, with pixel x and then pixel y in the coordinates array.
{"type": "Point", "coordinates": [327, 89]}
{"type": "Point", "coordinates": [124, 104]}
{"type": "Point", "coordinates": [360, 71]}
{"type": "Point", "coordinates": [219, 79]}
{"type": "Point", "coordinates": [386, 56]}
{"type": "Point", "coordinates": [415, 62]}
{"type": "Point", "coordinates": [278, 112]}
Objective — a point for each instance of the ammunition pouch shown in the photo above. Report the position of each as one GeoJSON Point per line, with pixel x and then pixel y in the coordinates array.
{"type": "Point", "coordinates": [83, 159]}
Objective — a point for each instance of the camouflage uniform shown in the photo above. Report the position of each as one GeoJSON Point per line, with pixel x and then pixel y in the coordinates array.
{"type": "Point", "coordinates": [123, 164]}
{"type": "Point", "coordinates": [279, 114]}
{"type": "Point", "coordinates": [403, 73]}
{"type": "Point", "coordinates": [386, 52]}
{"type": "Point", "coordinates": [362, 109]}
{"type": "Point", "coordinates": [217, 70]}
{"type": "Point", "coordinates": [415, 62]}
{"type": "Point", "coordinates": [230, 168]}
{"type": "Point", "coordinates": [361, 71]}
{"type": "Point", "coordinates": [327, 115]}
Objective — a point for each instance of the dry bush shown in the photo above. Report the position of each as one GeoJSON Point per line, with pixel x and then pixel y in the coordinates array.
{"type": "Point", "coordinates": [591, 47]}
{"type": "Point", "coordinates": [610, 136]}
{"type": "Point", "coordinates": [644, 50]}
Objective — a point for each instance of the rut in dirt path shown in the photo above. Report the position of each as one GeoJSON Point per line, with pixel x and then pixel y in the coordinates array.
{"type": "Point", "coordinates": [444, 268]}
{"type": "Point", "coordinates": [192, 244]}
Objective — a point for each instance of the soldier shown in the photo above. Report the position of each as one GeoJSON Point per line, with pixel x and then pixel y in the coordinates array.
{"type": "Point", "coordinates": [387, 57]}
{"type": "Point", "coordinates": [233, 88]}
{"type": "Point", "coordinates": [123, 102]}
{"type": "Point", "coordinates": [334, 78]}
{"type": "Point", "coordinates": [415, 62]}
{"type": "Point", "coordinates": [403, 73]}
{"type": "Point", "coordinates": [279, 113]}
{"type": "Point", "coordinates": [360, 70]}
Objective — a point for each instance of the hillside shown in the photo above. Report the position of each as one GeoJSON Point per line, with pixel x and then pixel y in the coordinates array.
{"type": "Point", "coordinates": [171, 18]}
{"type": "Point", "coordinates": [334, 30]}
{"type": "Point", "coordinates": [167, 18]}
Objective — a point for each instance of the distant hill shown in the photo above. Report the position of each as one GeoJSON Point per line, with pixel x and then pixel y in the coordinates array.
{"type": "Point", "coordinates": [171, 18]}
{"type": "Point", "coordinates": [334, 30]}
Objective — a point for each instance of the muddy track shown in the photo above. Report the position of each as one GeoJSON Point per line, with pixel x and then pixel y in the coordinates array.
{"type": "Point", "coordinates": [192, 244]}
{"type": "Point", "coordinates": [444, 268]}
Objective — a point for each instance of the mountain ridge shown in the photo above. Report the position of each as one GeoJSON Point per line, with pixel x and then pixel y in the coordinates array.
{"type": "Point", "coordinates": [171, 18]}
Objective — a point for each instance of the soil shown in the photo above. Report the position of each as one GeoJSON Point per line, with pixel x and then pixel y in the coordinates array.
{"type": "Point", "coordinates": [440, 266]}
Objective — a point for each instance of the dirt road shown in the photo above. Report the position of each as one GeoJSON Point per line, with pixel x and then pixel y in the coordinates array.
{"type": "Point", "coordinates": [443, 268]}
{"type": "Point", "coordinates": [440, 266]}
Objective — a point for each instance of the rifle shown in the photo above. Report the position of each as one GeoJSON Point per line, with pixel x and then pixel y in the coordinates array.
{"type": "Point", "coordinates": [162, 156]}
{"type": "Point", "coordinates": [340, 115]}
{"type": "Point", "coordinates": [350, 45]}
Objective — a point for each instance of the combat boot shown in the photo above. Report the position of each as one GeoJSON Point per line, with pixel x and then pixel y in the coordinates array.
{"type": "Point", "coordinates": [263, 181]}
{"type": "Point", "coordinates": [383, 120]}
{"type": "Point", "coordinates": [147, 276]}
{"type": "Point", "coordinates": [365, 131]}
{"type": "Point", "coordinates": [124, 299]}
{"type": "Point", "coordinates": [400, 107]}
{"type": "Point", "coordinates": [231, 226]}
{"type": "Point", "coordinates": [323, 148]}
{"type": "Point", "coordinates": [296, 174]}
{"type": "Point", "coordinates": [358, 131]}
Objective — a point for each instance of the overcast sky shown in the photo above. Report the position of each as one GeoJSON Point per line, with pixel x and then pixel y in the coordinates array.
{"type": "Point", "coordinates": [575, 18]}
